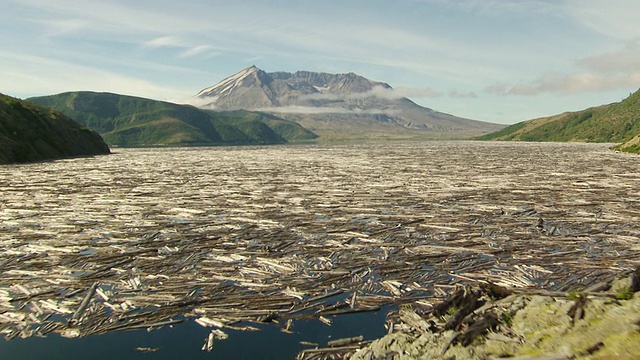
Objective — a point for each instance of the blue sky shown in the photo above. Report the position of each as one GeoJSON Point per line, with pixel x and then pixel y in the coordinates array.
{"type": "Point", "coordinates": [493, 60]}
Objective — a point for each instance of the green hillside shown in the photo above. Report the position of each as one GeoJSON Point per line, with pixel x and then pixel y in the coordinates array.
{"type": "Point", "coordinates": [132, 121]}
{"type": "Point", "coordinates": [32, 133]}
{"type": "Point", "coordinates": [617, 122]}
{"type": "Point", "coordinates": [289, 130]}
{"type": "Point", "coordinates": [630, 146]}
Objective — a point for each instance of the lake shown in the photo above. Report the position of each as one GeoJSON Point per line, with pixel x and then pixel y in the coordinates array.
{"type": "Point", "coordinates": [317, 240]}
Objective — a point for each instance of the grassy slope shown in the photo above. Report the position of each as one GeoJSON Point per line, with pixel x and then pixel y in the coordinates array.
{"type": "Point", "coordinates": [32, 133]}
{"type": "Point", "coordinates": [631, 146]}
{"type": "Point", "coordinates": [131, 121]}
{"type": "Point", "coordinates": [607, 123]}
{"type": "Point", "coordinates": [289, 130]}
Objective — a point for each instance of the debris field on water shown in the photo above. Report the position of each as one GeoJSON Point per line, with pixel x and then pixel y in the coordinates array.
{"type": "Point", "coordinates": [231, 237]}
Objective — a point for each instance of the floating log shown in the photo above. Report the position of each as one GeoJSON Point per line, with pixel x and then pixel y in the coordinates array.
{"type": "Point", "coordinates": [345, 341]}
{"type": "Point", "coordinates": [77, 315]}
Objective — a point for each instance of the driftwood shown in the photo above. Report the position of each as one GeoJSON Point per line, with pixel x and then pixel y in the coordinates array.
{"type": "Point", "coordinates": [251, 235]}
{"type": "Point", "coordinates": [75, 318]}
{"type": "Point", "coordinates": [345, 341]}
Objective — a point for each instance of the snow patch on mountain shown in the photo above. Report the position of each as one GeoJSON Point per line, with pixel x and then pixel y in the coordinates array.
{"type": "Point", "coordinates": [228, 84]}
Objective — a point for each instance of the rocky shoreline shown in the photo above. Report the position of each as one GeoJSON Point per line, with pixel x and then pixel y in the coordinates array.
{"type": "Point", "coordinates": [491, 322]}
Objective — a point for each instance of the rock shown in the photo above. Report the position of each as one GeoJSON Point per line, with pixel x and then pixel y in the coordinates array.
{"type": "Point", "coordinates": [521, 327]}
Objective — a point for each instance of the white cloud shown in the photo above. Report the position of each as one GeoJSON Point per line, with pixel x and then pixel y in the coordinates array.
{"type": "Point", "coordinates": [207, 103]}
{"type": "Point", "coordinates": [603, 72]}
{"type": "Point", "coordinates": [626, 60]}
{"type": "Point", "coordinates": [60, 27]}
{"type": "Point", "coordinates": [377, 91]}
{"type": "Point", "coordinates": [326, 110]}
{"type": "Point", "coordinates": [615, 18]}
{"type": "Point", "coordinates": [187, 48]}
{"type": "Point", "coordinates": [164, 41]}
{"type": "Point", "coordinates": [28, 75]}
{"type": "Point", "coordinates": [326, 96]}
{"type": "Point", "coordinates": [206, 50]}
{"type": "Point", "coordinates": [399, 92]}
{"type": "Point", "coordinates": [118, 17]}
{"type": "Point", "coordinates": [569, 84]}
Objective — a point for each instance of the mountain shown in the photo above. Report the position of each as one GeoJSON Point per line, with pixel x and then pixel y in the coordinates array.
{"type": "Point", "coordinates": [336, 105]}
{"type": "Point", "coordinates": [31, 133]}
{"type": "Point", "coordinates": [617, 122]}
{"type": "Point", "coordinates": [133, 121]}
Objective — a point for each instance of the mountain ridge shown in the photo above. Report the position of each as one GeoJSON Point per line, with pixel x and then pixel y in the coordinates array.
{"type": "Point", "coordinates": [134, 121]}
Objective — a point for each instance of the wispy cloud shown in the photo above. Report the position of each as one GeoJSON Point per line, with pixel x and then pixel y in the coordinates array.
{"type": "Point", "coordinates": [400, 92]}
{"type": "Point", "coordinates": [117, 17]}
{"type": "Point", "coordinates": [187, 48]}
{"type": "Point", "coordinates": [207, 103]}
{"type": "Point", "coordinates": [568, 84]}
{"type": "Point", "coordinates": [60, 27]}
{"type": "Point", "coordinates": [201, 32]}
{"type": "Point", "coordinates": [607, 71]}
{"type": "Point", "coordinates": [576, 83]}
{"type": "Point", "coordinates": [33, 72]}
{"type": "Point", "coordinates": [616, 18]}
{"type": "Point", "coordinates": [501, 7]}
{"type": "Point", "coordinates": [205, 50]}
{"type": "Point", "coordinates": [521, 47]}
{"type": "Point", "coordinates": [462, 94]}
{"type": "Point", "coordinates": [625, 60]}
{"type": "Point", "coordinates": [327, 110]}
{"type": "Point", "coordinates": [377, 91]}
{"type": "Point", "coordinates": [603, 72]}
{"type": "Point", "coordinates": [163, 41]}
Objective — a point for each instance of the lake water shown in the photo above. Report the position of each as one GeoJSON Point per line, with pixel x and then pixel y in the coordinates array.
{"type": "Point", "coordinates": [238, 235]}
{"type": "Point", "coordinates": [184, 341]}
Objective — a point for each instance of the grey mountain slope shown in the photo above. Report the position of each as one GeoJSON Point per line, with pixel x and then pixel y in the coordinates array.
{"type": "Point", "coordinates": [334, 104]}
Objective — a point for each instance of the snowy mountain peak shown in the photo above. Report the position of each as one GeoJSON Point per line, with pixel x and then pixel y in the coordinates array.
{"type": "Point", "coordinates": [337, 101]}
{"type": "Point", "coordinates": [252, 88]}
{"type": "Point", "coordinates": [242, 78]}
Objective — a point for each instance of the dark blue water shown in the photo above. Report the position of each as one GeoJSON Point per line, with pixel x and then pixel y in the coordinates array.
{"type": "Point", "coordinates": [185, 340]}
